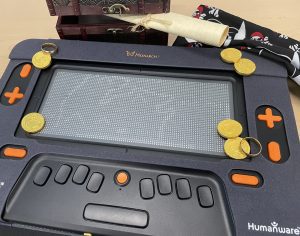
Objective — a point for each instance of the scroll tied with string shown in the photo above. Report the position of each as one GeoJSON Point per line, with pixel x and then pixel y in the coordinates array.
{"type": "Point", "coordinates": [206, 32]}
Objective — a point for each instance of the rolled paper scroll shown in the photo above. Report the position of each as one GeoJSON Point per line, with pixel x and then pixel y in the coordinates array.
{"type": "Point", "coordinates": [199, 30]}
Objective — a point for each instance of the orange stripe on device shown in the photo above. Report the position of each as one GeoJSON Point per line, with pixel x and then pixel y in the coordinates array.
{"type": "Point", "coordinates": [25, 71]}
{"type": "Point", "coordinates": [244, 179]}
{"type": "Point", "coordinates": [15, 152]}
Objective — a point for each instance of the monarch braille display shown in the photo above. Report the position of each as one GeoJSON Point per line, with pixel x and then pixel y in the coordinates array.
{"type": "Point", "coordinates": [130, 146]}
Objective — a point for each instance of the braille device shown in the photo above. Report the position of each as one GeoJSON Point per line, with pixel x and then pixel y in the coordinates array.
{"type": "Point", "coordinates": [130, 145]}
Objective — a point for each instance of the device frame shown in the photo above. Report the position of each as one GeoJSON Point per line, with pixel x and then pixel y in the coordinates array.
{"type": "Point", "coordinates": [45, 78]}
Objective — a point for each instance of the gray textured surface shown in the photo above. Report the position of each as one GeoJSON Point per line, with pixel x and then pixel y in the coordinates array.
{"type": "Point", "coordinates": [138, 110]}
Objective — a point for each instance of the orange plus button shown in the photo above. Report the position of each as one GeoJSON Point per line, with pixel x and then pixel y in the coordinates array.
{"type": "Point", "coordinates": [14, 95]}
{"type": "Point", "coordinates": [269, 118]}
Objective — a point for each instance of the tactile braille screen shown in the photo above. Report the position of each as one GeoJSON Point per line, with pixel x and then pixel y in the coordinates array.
{"type": "Point", "coordinates": [137, 110]}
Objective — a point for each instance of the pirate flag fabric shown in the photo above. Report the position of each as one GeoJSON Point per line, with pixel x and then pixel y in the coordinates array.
{"type": "Point", "coordinates": [248, 36]}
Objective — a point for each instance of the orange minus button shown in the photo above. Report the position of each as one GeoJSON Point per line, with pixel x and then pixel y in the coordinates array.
{"type": "Point", "coordinates": [243, 179]}
{"type": "Point", "coordinates": [274, 151]}
{"type": "Point", "coordinates": [25, 71]}
{"type": "Point", "coordinates": [15, 152]}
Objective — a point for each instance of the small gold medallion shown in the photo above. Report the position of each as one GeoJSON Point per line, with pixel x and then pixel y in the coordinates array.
{"type": "Point", "coordinates": [42, 60]}
{"type": "Point", "coordinates": [231, 55]}
{"type": "Point", "coordinates": [33, 123]}
{"type": "Point", "coordinates": [230, 128]}
{"type": "Point", "coordinates": [245, 67]}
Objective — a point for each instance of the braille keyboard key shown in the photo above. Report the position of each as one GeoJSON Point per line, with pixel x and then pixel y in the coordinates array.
{"type": "Point", "coordinates": [205, 196]}
{"type": "Point", "coordinates": [42, 176]}
{"type": "Point", "coordinates": [63, 174]}
{"type": "Point", "coordinates": [183, 189]}
{"type": "Point", "coordinates": [95, 182]}
{"type": "Point", "coordinates": [147, 188]}
{"type": "Point", "coordinates": [80, 174]}
{"type": "Point", "coordinates": [164, 184]}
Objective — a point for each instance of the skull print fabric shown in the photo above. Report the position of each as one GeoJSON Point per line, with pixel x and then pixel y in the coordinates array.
{"type": "Point", "coordinates": [248, 36]}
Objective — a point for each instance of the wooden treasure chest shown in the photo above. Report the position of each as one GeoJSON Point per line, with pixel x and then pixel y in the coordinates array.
{"type": "Point", "coordinates": [100, 7]}
{"type": "Point", "coordinates": [106, 29]}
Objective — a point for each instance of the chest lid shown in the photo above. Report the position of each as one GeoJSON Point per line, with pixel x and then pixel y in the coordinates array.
{"type": "Point", "coordinates": [96, 7]}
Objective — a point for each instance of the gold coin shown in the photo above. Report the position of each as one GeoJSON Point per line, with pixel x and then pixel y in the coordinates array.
{"type": "Point", "coordinates": [33, 123]}
{"type": "Point", "coordinates": [231, 55]}
{"type": "Point", "coordinates": [245, 67]}
{"type": "Point", "coordinates": [237, 148]}
{"type": "Point", "coordinates": [230, 128]}
{"type": "Point", "coordinates": [42, 60]}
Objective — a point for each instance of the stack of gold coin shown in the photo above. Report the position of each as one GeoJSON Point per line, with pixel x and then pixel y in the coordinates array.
{"type": "Point", "coordinates": [235, 147]}
{"type": "Point", "coordinates": [242, 66]}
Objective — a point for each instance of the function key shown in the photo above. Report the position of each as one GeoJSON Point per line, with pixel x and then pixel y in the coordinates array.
{"type": "Point", "coordinates": [42, 176]}
{"type": "Point", "coordinates": [14, 152]}
{"type": "Point", "coordinates": [25, 72]}
{"type": "Point", "coordinates": [14, 95]}
{"type": "Point", "coordinates": [183, 189]}
{"type": "Point", "coordinates": [246, 179]}
{"type": "Point", "coordinates": [205, 196]}
{"type": "Point", "coordinates": [147, 189]}
{"type": "Point", "coordinates": [269, 118]}
{"type": "Point", "coordinates": [81, 174]}
{"type": "Point", "coordinates": [116, 215]}
{"type": "Point", "coordinates": [164, 184]}
{"type": "Point", "coordinates": [95, 182]}
{"type": "Point", "coordinates": [63, 174]}
{"type": "Point", "coordinates": [122, 178]}
{"type": "Point", "coordinates": [274, 151]}
{"type": "Point", "coordinates": [272, 134]}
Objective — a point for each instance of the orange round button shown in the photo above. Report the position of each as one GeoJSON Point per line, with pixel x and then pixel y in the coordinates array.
{"type": "Point", "coordinates": [122, 178]}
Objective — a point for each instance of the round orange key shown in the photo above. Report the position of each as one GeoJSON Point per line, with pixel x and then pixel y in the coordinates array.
{"type": "Point", "coordinates": [122, 178]}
